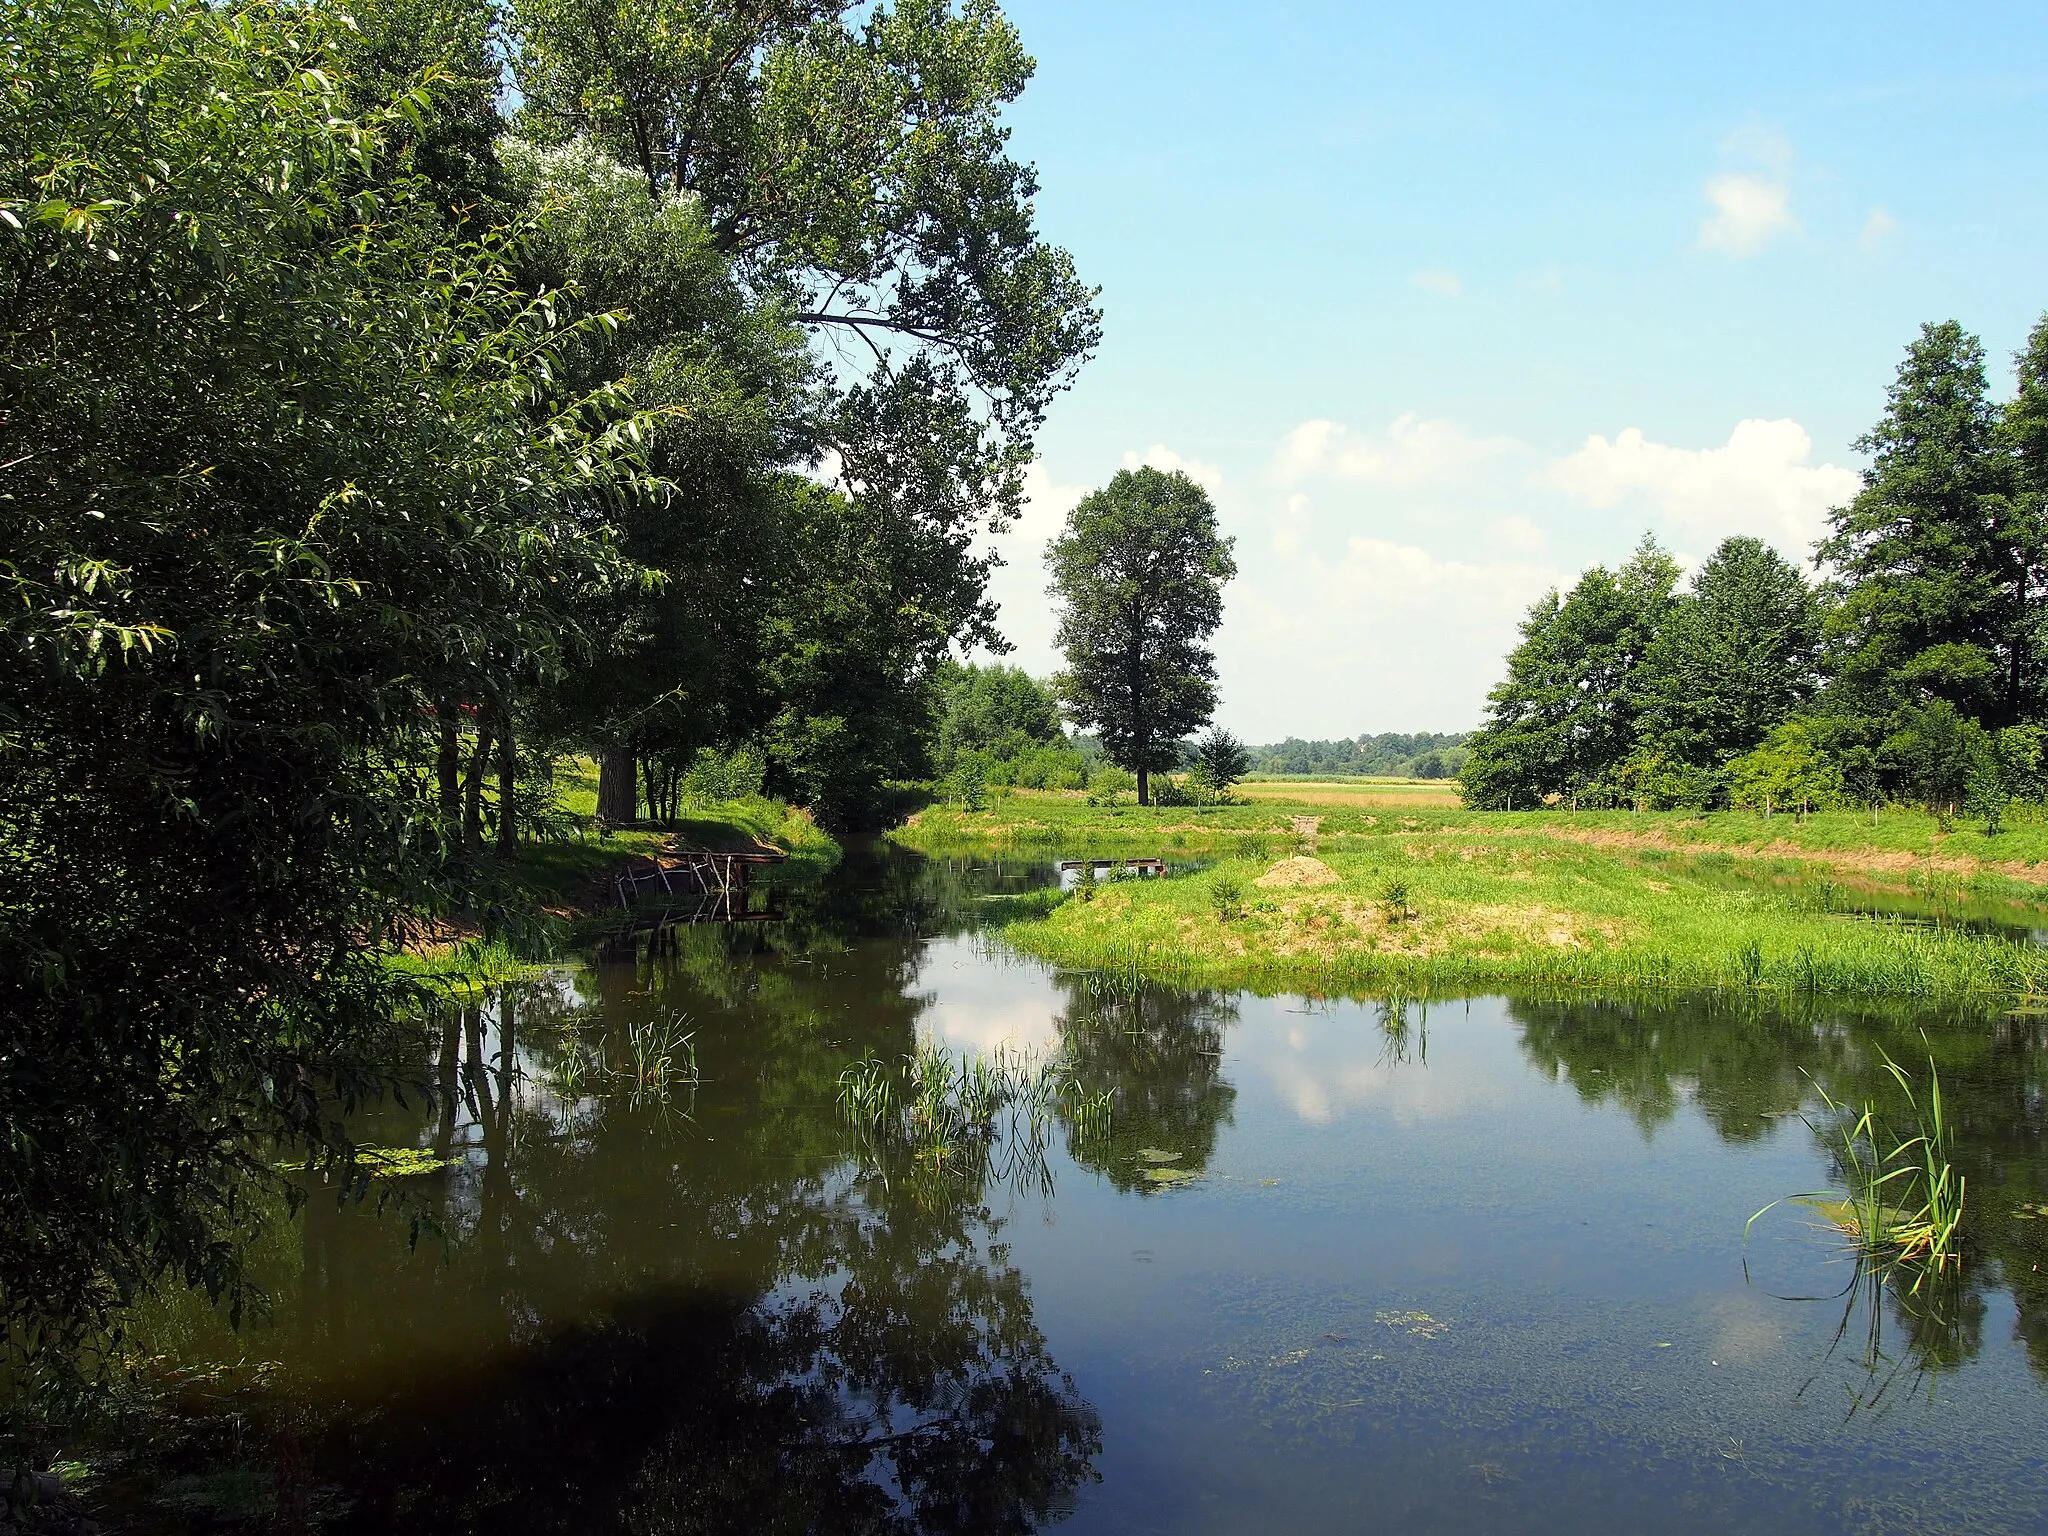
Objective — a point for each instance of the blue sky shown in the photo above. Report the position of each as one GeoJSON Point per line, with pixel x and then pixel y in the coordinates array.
{"type": "Point", "coordinates": [1445, 303]}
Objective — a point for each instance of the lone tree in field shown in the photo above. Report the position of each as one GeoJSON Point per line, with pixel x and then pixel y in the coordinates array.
{"type": "Point", "coordinates": [1138, 576]}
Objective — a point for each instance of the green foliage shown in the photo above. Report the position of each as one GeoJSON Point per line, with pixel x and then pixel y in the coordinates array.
{"type": "Point", "coordinates": [1733, 657]}
{"type": "Point", "coordinates": [1000, 710]}
{"type": "Point", "coordinates": [1391, 754]}
{"type": "Point", "coordinates": [1792, 769]}
{"type": "Point", "coordinates": [768, 191]}
{"type": "Point", "coordinates": [1108, 781]}
{"type": "Point", "coordinates": [289, 466]}
{"type": "Point", "coordinates": [1226, 896]}
{"type": "Point", "coordinates": [1220, 761]}
{"type": "Point", "coordinates": [1138, 574]}
{"type": "Point", "coordinates": [1566, 716]}
{"type": "Point", "coordinates": [1937, 581]}
{"type": "Point", "coordinates": [723, 776]}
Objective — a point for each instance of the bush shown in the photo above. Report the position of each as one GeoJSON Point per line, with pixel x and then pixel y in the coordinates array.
{"type": "Point", "coordinates": [1226, 896]}
{"type": "Point", "coordinates": [1108, 781]}
{"type": "Point", "coordinates": [715, 776]}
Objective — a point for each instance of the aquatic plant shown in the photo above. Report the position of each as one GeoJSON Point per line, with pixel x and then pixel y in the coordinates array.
{"type": "Point", "coordinates": [982, 1115]}
{"type": "Point", "coordinates": [660, 1055]}
{"type": "Point", "coordinates": [1902, 1207]}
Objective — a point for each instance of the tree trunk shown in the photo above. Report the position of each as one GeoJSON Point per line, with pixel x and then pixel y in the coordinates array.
{"type": "Point", "coordinates": [618, 788]}
{"type": "Point", "coordinates": [448, 763]}
{"type": "Point", "coordinates": [508, 773]}
{"type": "Point", "coordinates": [1144, 787]}
{"type": "Point", "coordinates": [473, 793]}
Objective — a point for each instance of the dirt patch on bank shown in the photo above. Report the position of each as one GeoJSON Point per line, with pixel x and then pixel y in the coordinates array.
{"type": "Point", "coordinates": [1292, 874]}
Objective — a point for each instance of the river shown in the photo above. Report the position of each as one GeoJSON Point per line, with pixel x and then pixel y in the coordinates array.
{"type": "Point", "coordinates": [1466, 1265]}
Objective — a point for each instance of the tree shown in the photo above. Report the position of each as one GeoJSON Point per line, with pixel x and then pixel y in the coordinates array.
{"type": "Point", "coordinates": [1734, 657]}
{"type": "Point", "coordinates": [1567, 714]}
{"type": "Point", "coordinates": [287, 469]}
{"type": "Point", "coordinates": [1138, 576]}
{"type": "Point", "coordinates": [994, 709]}
{"type": "Point", "coordinates": [847, 168]}
{"type": "Point", "coordinates": [1791, 768]}
{"type": "Point", "coordinates": [1221, 760]}
{"type": "Point", "coordinates": [1938, 572]}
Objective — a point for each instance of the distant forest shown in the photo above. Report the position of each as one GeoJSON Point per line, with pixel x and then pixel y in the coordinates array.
{"type": "Point", "coordinates": [1391, 754]}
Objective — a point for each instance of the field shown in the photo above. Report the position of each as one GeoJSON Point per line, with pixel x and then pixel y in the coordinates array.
{"type": "Point", "coordinates": [1438, 793]}
{"type": "Point", "coordinates": [1437, 899]}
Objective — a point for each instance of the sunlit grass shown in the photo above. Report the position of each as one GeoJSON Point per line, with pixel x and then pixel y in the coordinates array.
{"type": "Point", "coordinates": [1434, 913]}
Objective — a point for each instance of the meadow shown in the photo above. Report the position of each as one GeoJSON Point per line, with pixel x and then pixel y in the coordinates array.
{"type": "Point", "coordinates": [1434, 899]}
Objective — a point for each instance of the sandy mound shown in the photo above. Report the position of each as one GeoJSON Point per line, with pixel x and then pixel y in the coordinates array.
{"type": "Point", "coordinates": [1290, 873]}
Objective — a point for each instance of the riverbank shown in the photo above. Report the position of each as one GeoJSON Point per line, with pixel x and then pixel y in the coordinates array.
{"type": "Point", "coordinates": [559, 894]}
{"type": "Point", "coordinates": [1460, 900]}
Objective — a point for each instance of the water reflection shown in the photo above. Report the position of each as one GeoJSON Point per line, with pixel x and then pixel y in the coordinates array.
{"type": "Point", "coordinates": [709, 1308]}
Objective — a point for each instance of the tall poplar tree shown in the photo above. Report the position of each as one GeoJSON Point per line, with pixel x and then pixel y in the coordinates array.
{"type": "Point", "coordinates": [1138, 576]}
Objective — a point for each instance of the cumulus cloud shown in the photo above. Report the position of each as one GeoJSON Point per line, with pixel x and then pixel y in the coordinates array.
{"type": "Point", "coordinates": [1751, 207]}
{"type": "Point", "coordinates": [1159, 456]}
{"type": "Point", "coordinates": [1439, 280]}
{"type": "Point", "coordinates": [1878, 228]}
{"type": "Point", "coordinates": [1749, 213]}
{"type": "Point", "coordinates": [1414, 450]}
{"type": "Point", "coordinates": [1758, 483]}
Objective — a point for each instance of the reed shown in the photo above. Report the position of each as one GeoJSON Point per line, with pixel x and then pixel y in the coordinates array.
{"type": "Point", "coordinates": [986, 1115]}
{"type": "Point", "coordinates": [1902, 1204]}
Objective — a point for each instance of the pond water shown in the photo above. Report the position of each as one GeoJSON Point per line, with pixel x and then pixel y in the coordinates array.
{"type": "Point", "coordinates": [1474, 1265]}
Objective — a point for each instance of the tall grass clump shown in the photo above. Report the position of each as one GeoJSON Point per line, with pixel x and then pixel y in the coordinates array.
{"type": "Point", "coordinates": [1902, 1205]}
{"type": "Point", "coordinates": [983, 1116]}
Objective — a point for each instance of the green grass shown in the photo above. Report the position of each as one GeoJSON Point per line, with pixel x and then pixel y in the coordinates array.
{"type": "Point", "coordinates": [1458, 900]}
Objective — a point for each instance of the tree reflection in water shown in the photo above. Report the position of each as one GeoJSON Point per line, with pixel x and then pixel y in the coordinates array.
{"type": "Point", "coordinates": [1158, 1053]}
{"type": "Point", "coordinates": [1748, 1065]}
{"type": "Point", "coordinates": [698, 1315]}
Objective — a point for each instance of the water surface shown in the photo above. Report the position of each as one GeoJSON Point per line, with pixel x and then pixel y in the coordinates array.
{"type": "Point", "coordinates": [1462, 1265]}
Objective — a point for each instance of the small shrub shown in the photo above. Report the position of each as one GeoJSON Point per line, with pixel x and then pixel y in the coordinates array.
{"type": "Point", "coordinates": [1394, 900]}
{"type": "Point", "coordinates": [1226, 896]}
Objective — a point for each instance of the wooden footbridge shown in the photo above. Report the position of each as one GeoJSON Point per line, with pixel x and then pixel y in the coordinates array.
{"type": "Point", "coordinates": [718, 882]}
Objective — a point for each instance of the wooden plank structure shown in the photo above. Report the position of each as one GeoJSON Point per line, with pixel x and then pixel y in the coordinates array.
{"type": "Point", "coordinates": [1149, 868]}
{"type": "Point", "coordinates": [719, 881]}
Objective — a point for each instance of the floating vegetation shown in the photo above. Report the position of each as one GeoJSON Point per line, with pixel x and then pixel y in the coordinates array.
{"type": "Point", "coordinates": [374, 1163]}
{"type": "Point", "coordinates": [1903, 1208]}
{"type": "Point", "coordinates": [1418, 1325]}
{"type": "Point", "coordinates": [982, 1116]}
{"type": "Point", "coordinates": [1169, 1178]}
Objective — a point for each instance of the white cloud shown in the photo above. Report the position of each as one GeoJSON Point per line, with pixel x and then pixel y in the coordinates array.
{"type": "Point", "coordinates": [1439, 280]}
{"type": "Point", "coordinates": [1758, 483]}
{"type": "Point", "coordinates": [1749, 213]}
{"type": "Point", "coordinates": [1878, 228]}
{"type": "Point", "coordinates": [1159, 456]}
{"type": "Point", "coordinates": [1751, 208]}
{"type": "Point", "coordinates": [1414, 450]}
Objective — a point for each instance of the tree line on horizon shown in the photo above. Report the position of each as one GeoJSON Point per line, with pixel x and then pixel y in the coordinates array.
{"type": "Point", "coordinates": [1914, 669]}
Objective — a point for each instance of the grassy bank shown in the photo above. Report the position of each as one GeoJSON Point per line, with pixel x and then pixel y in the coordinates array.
{"type": "Point", "coordinates": [558, 892]}
{"type": "Point", "coordinates": [1444, 900]}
